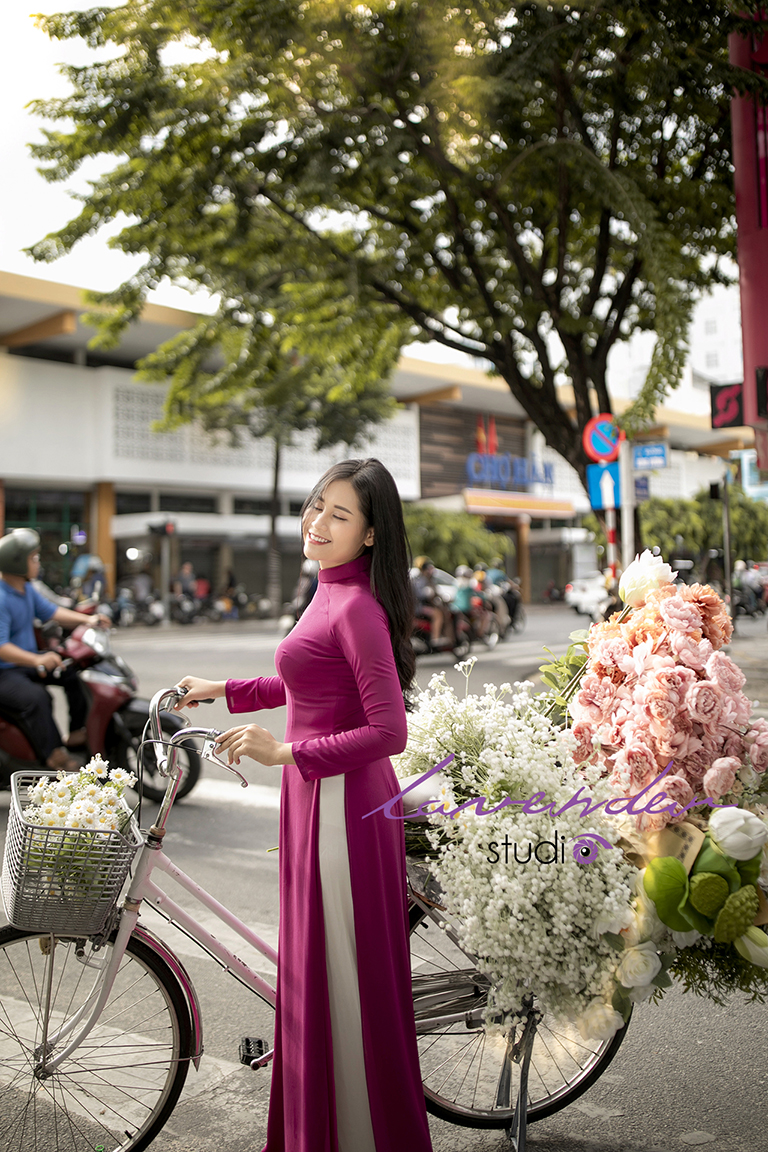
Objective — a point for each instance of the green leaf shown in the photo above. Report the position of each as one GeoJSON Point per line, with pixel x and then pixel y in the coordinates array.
{"type": "Point", "coordinates": [666, 882]}
{"type": "Point", "coordinates": [617, 942]}
{"type": "Point", "coordinates": [749, 870]}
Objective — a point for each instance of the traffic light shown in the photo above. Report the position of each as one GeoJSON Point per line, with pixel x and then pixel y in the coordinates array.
{"type": "Point", "coordinates": [166, 529]}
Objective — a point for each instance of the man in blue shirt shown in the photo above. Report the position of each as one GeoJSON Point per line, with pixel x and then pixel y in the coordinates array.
{"type": "Point", "coordinates": [24, 671]}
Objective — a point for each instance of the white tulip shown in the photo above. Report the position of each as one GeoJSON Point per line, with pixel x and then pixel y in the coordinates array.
{"type": "Point", "coordinates": [639, 965]}
{"type": "Point", "coordinates": [599, 1021]}
{"type": "Point", "coordinates": [738, 833]}
{"type": "Point", "coordinates": [643, 575]}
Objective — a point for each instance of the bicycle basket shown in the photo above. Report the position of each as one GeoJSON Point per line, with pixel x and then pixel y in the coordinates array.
{"type": "Point", "coordinates": [61, 880]}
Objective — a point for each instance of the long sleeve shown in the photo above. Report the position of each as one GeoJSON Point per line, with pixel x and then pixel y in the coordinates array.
{"type": "Point", "coordinates": [251, 695]}
{"type": "Point", "coordinates": [363, 636]}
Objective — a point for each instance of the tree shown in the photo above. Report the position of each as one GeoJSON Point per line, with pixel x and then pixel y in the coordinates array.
{"type": "Point", "coordinates": [451, 538]}
{"type": "Point", "coordinates": [226, 373]}
{"type": "Point", "coordinates": [526, 182]}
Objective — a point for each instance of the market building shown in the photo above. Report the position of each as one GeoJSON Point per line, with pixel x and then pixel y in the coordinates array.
{"type": "Point", "coordinates": [80, 461]}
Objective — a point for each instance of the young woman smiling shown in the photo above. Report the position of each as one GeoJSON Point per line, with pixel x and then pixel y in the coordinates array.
{"type": "Point", "coordinates": [346, 1072]}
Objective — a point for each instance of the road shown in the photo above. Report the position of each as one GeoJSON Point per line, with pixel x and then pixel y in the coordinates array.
{"type": "Point", "coordinates": [688, 1073]}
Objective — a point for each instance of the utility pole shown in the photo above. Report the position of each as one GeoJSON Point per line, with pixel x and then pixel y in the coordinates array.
{"type": "Point", "coordinates": [627, 489]}
{"type": "Point", "coordinates": [727, 540]}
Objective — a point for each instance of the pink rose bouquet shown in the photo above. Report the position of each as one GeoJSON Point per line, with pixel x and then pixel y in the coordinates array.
{"type": "Point", "coordinates": [658, 693]}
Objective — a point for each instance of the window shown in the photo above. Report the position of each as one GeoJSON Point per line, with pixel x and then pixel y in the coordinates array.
{"type": "Point", "coordinates": [711, 360]}
{"type": "Point", "coordinates": [252, 507]}
{"type": "Point", "coordinates": [295, 506]}
{"type": "Point", "coordinates": [174, 502]}
{"type": "Point", "coordinates": [128, 502]}
{"type": "Point", "coordinates": [710, 327]}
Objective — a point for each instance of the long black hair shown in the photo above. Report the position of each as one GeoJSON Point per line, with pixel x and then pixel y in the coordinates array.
{"type": "Point", "coordinates": [390, 554]}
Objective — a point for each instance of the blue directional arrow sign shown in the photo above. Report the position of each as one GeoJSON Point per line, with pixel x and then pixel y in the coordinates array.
{"type": "Point", "coordinates": [603, 486]}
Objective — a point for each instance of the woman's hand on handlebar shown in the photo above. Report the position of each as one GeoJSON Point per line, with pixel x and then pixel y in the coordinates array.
{"type": "Point", "coordinates": [197, 690]}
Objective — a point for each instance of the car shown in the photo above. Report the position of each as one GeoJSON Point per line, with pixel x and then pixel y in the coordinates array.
{"type": "Point", "coordinates": [588, 595]}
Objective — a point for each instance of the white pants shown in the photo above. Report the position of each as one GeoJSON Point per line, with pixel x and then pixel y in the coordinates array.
{"type": "Point", "coordinates": [353, 1116]}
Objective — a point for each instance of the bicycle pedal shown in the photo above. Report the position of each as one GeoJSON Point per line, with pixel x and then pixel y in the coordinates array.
{"type": "Point", "coordinates": [255, 1053]}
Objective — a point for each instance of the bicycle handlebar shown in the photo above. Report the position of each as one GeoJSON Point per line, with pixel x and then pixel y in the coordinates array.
{"type": "Point", "coordinates": [166, 764]}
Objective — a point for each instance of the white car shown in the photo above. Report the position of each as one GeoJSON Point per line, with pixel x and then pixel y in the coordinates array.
{"type": "Point", "coordinates": [588, 595]}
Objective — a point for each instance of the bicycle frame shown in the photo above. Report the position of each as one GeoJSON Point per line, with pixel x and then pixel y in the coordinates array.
{"type": "Point", "coordinates": [143, 888]}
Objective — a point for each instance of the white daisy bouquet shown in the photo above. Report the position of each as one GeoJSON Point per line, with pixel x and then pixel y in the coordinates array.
{"type": "Point", "coordinates": [92, 799]}
{"type": "Point", "coordinates": [539, 888]}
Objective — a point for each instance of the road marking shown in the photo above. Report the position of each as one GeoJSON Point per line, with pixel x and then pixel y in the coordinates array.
{"type": "Point", "coordinates": [223, 792]}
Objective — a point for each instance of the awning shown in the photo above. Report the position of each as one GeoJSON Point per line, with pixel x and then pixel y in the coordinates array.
{"type": "Point", "coordinates": [501, 505]}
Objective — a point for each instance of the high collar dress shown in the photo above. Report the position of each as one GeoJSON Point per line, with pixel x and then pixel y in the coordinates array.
{"type": "Point", "coordinates": [346, 1073]}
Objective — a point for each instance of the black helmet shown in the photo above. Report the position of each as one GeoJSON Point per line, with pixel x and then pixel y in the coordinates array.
{"type": "Point", "coordinates": [15, 550]}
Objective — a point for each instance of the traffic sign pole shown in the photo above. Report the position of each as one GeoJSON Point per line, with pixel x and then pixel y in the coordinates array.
{"type": "Point", "coordinates": [627, 488]}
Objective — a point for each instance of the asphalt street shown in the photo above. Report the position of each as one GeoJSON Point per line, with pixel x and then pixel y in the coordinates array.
{"type": "Point", "coordinates": [689, 1072]}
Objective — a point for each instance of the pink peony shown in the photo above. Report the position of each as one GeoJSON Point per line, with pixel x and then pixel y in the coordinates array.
{"type": "Point", "coordinates": [705, 704]}
{"type": "Point", "coordinates": [676, 681]}
{"type": "Point", "coordinates": [757, 739]}
{"type": "Point", "coordinates": [677, 614]}
{"type": "Point", "coordinates": [609, 652]}
{"type": "Point", "coordinates": [725, 673]}
{"type": "Point", "coordinates": [634, 766]}
{"type": "Point", "coordinates": [680, 792]}
{"type": "Point", "coordinates": [593, 702]}
{"type": "Point", "coordinates": [687, 651]}
{"type": "Point", "coordinates": [720, 777]}
{"type": "Point", "coordinates": [584, 734]}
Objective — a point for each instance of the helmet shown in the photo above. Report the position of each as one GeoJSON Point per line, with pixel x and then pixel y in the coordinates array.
{"type": "Point", "coordinates": [462, 572]}
{"type": "Point", "coordinates": [15, 550]}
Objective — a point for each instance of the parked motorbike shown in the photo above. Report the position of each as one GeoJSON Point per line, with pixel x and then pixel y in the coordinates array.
{"type": "Point", "coordinates": [115, 720]}
{"type": "Point", "coordinates": [421, 638]}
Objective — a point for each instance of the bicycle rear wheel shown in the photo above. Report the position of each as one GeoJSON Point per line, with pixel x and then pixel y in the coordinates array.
{"type": "Point", "coordinates": [120, 1085]}
{"type": "Point", "coordinates": [467, 1076]}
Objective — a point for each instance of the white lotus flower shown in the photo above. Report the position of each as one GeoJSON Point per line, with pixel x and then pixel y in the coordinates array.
{"type": "Point", "coordinates": [646, 573]}
{"type": "Point", "coordinates": [753, 946]}
{"type": "Point", "coordinates": [738, 833]}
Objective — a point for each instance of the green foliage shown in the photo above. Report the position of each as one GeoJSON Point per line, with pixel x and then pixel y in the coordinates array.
{"type": "Point", "coordinates": [717, 971]}
{"type": "Point", "coordinates": [527, 182]}
{"type": "Point", "coordinates": [562, 674]}
{"type": "Point", "coordinates": [700, 524]}
{"type": "Point", "coordinates": [451, 538]}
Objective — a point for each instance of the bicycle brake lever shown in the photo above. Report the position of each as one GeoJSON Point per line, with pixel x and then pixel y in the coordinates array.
{"type": "Point", "coordinates": [209, 753]}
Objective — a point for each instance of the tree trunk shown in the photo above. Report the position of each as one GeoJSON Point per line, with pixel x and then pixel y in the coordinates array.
{"type": "Point", "coordinates": [274, 565]}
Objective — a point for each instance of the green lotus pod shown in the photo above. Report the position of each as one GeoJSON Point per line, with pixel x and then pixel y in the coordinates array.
{"type": "Point", "coordinates": [736, 915]}
{"type": "Point", "coordinates": [709, 893]}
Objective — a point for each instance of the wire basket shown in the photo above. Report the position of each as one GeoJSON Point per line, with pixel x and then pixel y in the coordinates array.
{"type": "Point", "coordinates": [60, 880]}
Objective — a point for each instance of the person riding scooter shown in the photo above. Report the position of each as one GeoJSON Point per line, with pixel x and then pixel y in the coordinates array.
{"type": "Point", "coordinates": [25, 672]}
{"type": "Point", "coordinates": [430, 604]}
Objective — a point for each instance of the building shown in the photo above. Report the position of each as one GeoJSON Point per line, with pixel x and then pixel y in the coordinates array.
{"type": "Point", "coordinates": [80, 461]}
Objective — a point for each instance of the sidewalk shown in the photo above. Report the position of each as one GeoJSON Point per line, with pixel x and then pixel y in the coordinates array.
{"type": "Point", "coordinates": [749, 649]}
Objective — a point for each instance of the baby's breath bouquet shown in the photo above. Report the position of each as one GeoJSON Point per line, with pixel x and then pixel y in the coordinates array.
{"type": "Point", "coordinates": [541, 894]}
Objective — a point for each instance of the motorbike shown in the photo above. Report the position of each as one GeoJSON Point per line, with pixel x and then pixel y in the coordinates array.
{"type": "Point", "coordinates": [421, 638]}
{"type": "Point", "coordinates": [484, 623]}
{"type": "Point", "coordinates": [747, 602]}
{"type": "Point", "coordinates": [116, 716]}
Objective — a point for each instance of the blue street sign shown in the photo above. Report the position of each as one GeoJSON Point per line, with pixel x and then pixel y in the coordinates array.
{"type": "Point", "coordinates": [603, 486]}
{"type": "Point", "coordinates": [647, 457]}
{"type": "Point", "coordinates": [642, 489]}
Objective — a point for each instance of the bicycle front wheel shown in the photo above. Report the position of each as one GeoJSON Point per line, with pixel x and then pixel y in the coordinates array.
{"type": "Point", "coordinates": [119, 1086]}
{"type": "Point", "coordinates": [466, 1071]}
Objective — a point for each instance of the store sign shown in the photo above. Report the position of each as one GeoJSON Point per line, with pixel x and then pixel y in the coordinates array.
{"type": "Point", "coordinates": [727, 405]}
{"type": "Point", "coordinates": [503, 470]}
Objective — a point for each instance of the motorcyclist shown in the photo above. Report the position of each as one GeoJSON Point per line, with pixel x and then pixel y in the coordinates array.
{"type": "Point", "coordinates": [24, 672]}
{"type": "Point", "coordinates": [430, 604]}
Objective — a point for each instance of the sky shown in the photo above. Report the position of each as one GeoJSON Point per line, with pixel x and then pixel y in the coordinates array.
{"type": "Point", "coordinates": [31, 207]}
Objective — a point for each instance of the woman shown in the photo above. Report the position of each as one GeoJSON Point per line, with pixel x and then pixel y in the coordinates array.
{"type": "Point", "coordinates": [346, 1073]}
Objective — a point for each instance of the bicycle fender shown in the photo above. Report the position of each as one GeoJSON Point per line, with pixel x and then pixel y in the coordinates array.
{"type": "Point", "coordinates": [190, 994]}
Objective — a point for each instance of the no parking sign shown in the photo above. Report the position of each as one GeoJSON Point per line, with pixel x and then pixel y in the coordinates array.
{"type": "Point", "coordinates": [601, 439]}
